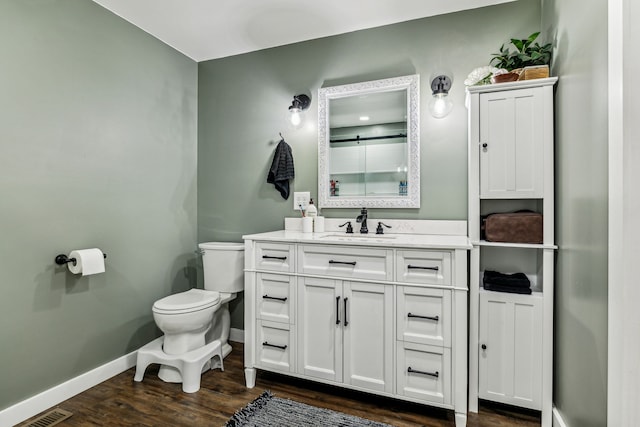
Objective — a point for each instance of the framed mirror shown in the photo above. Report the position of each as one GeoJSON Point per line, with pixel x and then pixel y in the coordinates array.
{"type": "Point", "coordinates": [369, 144]}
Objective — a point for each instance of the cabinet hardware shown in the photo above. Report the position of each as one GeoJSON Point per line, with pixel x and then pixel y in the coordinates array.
{"type": "Point", "coordinates": [283, 299]}
{"type": "Point", "coordinates": [342, 262]}
{"type": "Point", "coordinates": [435, 374]}
{"type": "Point", "coordinates": [337, 310]}
{"type": "Point", "coordinates": [436, 268]}
{"type": "Point", "coordinates": [282, 258]}
{"type": "Point", "coordinates": [484, 346]}
{"type": "Point", "coordinates": [436, 318]}
{"type": "Point", "coordinates": [485, 145]}
{"type": "Point", "coordinates": [281, 347]}
{"type": "Point", "coordinates": [346, 322]}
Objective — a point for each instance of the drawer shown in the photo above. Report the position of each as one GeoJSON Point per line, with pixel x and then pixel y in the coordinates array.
{"type": "Point", "coordinates": [346, 262]}
{"type": "Point", "coordinates": [424, 315]}
{"type": "Point", "coordinates": [275, 257]}
{"type": "Point", "coordinates": [274, 297]}
{"type": "Point", "coordinates": [424, 372]}
{"type": "Point", "coordinates": [423, 267]}
{"type": "Point", "coordinates": [275, 346]}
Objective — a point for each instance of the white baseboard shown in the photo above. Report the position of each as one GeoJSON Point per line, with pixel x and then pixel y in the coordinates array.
{"type": "Point", "coordinates": [236, 335]}
{"type": "Point", "coordinates": [557, 418]}
{"type": "Point", "coordinates": [34, 405]}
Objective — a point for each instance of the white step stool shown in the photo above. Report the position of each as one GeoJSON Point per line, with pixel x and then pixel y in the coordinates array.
{"type": "Point", "coordinates": [190, 364]}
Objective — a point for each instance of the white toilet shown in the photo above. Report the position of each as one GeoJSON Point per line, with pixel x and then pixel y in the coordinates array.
{"type": "Point", "coordinates": [196, 322]}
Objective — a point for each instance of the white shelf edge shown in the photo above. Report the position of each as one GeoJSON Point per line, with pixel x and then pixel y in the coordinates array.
{"type": "Point", "coordinates": [366, 172]}
{"type": "Point", "coordinates": [514, 245]}
{"type": "Point", "coordinates": [534, 294]}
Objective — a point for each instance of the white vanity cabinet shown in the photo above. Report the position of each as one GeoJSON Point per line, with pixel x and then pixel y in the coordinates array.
{"type": "Point", "coordinates": [381, 315]}
{"type": "Point", "coordinates": [511, 168]}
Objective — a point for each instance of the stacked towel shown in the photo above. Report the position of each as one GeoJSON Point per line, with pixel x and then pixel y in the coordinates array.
{"type": "Point", "coordinates": [517, 283]}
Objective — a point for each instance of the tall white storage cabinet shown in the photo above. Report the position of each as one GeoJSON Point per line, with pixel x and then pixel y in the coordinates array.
{"type": "Point", "coordinates": [511, 168]}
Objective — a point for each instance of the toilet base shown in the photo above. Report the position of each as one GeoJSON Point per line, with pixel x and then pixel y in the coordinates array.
{"type": "Point", "coordinates": [189, 364]}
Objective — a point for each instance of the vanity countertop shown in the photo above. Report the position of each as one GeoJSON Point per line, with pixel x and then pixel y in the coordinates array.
{"type": "Point", "coordinates": [433, 241]}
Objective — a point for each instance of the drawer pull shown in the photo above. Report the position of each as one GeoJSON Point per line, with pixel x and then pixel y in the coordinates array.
{"type": "Point", "coordinates": [281, 258]}
{"type": "Point", "coordinates": [342, 262]}
{"type": "Point", "coordinates": [281, 347]}
{"type": "Point", "coordinates": [283, 299]}
{"type": "Point", "coordinates": [436, 318]}
{"type": "Point", "coordinates": [436, 268]}
{"type": "Point", "coordinates": [337, 310]}
{"type": "Point", "coordinates": [435, 374]}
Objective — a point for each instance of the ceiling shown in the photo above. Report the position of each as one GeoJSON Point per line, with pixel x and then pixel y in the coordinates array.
{"type": "Point", "coordinates": [209, 29]}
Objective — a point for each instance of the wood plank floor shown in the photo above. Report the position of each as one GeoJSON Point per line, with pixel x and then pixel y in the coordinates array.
{"type": "Point", "coordinates": [120, 401]}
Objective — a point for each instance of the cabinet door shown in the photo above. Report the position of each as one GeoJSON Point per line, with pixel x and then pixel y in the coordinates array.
{"type": "Point", "coordinates": [511, 144]}
{"type": "Point", "coordinates": [510, 364]}
{"type": "Point", "coordinates": [368, 341]}
{"type": "Point", "coordinates": [320, 328]}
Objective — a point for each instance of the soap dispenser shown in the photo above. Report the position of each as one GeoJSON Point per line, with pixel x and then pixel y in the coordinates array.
{"type": "Point", "coordinates": [312, 211]}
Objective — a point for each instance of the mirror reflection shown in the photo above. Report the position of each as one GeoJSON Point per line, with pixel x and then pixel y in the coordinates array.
{"type": "Point", "coordinates": [367, 145]}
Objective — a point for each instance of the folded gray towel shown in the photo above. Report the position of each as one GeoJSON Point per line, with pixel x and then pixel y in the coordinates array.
{"type": "Point", "coordinates": [281, 169]}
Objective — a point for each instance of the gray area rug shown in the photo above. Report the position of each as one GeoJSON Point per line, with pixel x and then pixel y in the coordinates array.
{"type": "Point", "coordinates": [269, 411]}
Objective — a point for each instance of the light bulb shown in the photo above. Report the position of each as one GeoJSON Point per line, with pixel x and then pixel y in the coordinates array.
{"type": "Point", "coordinates": [440, 105]}
{"type": "Point", "coordinates": [296, 117]}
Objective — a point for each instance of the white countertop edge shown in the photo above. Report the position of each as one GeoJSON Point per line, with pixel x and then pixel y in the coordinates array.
{"type": "Point", "coordinates": [430, 241]}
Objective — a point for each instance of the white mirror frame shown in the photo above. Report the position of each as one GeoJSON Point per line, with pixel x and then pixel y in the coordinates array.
{"type": "Point", "coordinates": [412, 200]}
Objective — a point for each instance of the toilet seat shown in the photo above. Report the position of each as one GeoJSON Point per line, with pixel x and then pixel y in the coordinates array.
{"type": "Point", "coordinates": [187, 302]}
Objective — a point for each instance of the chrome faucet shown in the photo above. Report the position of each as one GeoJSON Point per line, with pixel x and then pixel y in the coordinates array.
{"type": "Point", "coordinates": [363, 219]}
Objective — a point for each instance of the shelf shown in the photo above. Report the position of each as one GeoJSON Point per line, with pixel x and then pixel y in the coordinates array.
{"type": "Point", "coordinates": [345, 196]}
{"type": "Point", "coordinates": [367, 172]}
{"type": "Point", "coordinates": [533, 294]}
{"type": "Point", "coordinates": [514, 245]}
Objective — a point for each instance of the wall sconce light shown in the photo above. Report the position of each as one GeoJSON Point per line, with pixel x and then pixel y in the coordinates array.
{"type": "Point", "coordinates": [299, 104]}
{"type": "Point", "coordinates": [440, 105]}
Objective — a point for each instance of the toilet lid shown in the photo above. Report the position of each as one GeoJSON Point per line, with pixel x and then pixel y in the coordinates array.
{"type": "Point", "coordinates": [184, 302]}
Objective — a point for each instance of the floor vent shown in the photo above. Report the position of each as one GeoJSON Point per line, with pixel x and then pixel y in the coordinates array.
{"type": "Point", "coordinates": [51, 418]}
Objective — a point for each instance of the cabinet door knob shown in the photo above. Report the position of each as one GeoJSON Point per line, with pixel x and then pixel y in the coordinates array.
{"type": "Point", "coordinates": [484, 145]}
{"type": "Point", "coordinates": [484, 346]}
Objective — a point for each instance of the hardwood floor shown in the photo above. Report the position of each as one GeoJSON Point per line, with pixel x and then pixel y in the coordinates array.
{"type": "Point", "coordinates": [120, 401]}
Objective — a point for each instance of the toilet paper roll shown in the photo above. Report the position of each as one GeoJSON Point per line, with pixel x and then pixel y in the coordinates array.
{"type": "Point", "coordinates": [318, 224]}
{"type": "Point", "coordinates": [307, 224]}
{"type": "Point", "coordinates": [88, 261]}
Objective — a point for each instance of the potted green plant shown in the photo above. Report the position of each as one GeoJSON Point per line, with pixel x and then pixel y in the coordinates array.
{"type": "Point", "coordinates": [528, 56]}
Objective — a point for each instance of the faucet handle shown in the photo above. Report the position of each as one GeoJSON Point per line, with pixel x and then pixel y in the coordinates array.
{"type": "Point", "coordinates": [349, 227]}
{"type": "Point", "coordinates": [379, 229]}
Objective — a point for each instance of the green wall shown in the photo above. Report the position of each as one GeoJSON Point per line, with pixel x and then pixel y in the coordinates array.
{"type": "Point", "coordinates": [98, 138]}
{"type": "Point", "coordinates": [580, 367]}
{"type": "Point", "coordinates": [243, 101]}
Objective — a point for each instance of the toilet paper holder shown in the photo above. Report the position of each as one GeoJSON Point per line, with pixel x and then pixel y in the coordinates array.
{"type": "Point", "coordinates": [62, 259]}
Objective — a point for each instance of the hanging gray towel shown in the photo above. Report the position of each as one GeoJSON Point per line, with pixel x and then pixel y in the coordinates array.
{"type": "Point", "coordinates": [281, 169]}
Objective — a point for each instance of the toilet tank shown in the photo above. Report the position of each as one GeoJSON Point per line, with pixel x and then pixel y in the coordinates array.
{"type": "Point", "coordinates": [223, 264]}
